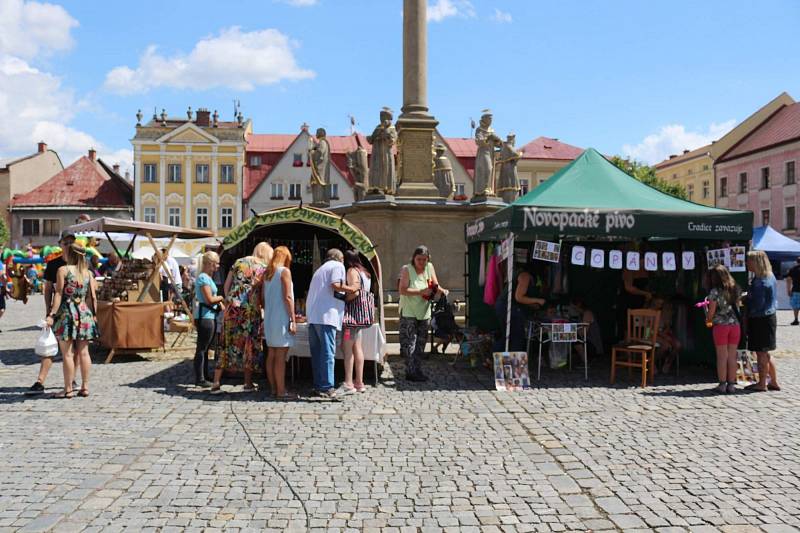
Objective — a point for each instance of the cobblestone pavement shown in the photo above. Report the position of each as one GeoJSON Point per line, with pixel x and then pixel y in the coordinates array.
{"type": "Point", "coordinates": [147, 452]}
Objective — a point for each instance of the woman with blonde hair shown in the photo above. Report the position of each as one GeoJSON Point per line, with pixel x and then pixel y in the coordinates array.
{"type": "Point", "coordinates": [762, 305]}
{"type": "Point", "coordinates": [722, 304]}
{"type": "Point", "coordinates": [208, 305]}
{"type": "Point", "coordinates": [242, 333]}
{"type": "Point", "coordinates": [279, 323]}
{"type": "Point", "coordinates": [73, 319]}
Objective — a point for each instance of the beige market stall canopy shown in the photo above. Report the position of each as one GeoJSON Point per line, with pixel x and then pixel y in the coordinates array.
{"type": "Point", "coordinates": [118, 225]}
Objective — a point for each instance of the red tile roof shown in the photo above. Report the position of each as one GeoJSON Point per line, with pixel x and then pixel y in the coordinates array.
{"type": "Point", "coordinates": [783, 126]}
{"type": "Point", "coordinates": [547, 148]}
{"type": "Point", "coordinates": [83, 184]}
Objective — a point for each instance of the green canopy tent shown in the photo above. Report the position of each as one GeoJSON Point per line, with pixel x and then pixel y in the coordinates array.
{"type": "Point", "coordinates": [591, 199]}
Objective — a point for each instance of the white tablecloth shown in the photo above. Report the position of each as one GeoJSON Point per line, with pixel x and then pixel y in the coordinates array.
{"type": "Point", "coordinates": [373, 341]}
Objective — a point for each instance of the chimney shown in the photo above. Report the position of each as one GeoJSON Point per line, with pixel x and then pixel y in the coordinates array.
{"type": "Point", "coordinates": [42, 147]}
{"type": "Point", "coordinates": [686, 151]}
{"type": "Point", "coordinates": [116, 168]}
{"type": "Point", "coordinates": [672, 156]}
{"type": "Point", "coordinates": [203, 118]}
{"type": "Point", "coordinates": [92, 154]}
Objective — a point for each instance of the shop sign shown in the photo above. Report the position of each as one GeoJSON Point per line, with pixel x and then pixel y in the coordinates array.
{"type": "Point", "coordinates": [357, 240]}
{"type": "Point", "coordinates": [586, 219]}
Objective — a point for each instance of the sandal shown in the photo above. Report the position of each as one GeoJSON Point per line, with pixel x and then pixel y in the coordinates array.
{"type": "Point", "coordinates": [360, 387]}
{"type": "Point", "coordinates": [83, 393]}
{"type": "Point", "coordinates": [286, 396]}
{"type": "Point", "coordinates": [754, 388]}
{"type": "Point", "coordinates": [773, 387]}
{"type": "Point", "coordinates": [63, 395]}
{"type": "Point", "coordinates": [249, 388]}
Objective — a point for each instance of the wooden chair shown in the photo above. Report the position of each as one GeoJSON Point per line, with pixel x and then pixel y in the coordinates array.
{"type": "Point", "coordinates": [639, 346]}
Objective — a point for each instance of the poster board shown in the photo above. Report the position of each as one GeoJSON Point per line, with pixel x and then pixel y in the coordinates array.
{"type": "Point", "coordinates": [547, 251]}
{"type": "Point", "coordinates": [511, 371]}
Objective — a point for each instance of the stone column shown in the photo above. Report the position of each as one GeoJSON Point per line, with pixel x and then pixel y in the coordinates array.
{"type": "Point", "coordinates": [415, 126]}
{"type": "Point", "coordinates": [415, 58]}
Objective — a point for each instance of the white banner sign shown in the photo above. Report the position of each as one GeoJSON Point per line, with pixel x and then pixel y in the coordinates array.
{"type": "Point", "coordinates": [578, 255]}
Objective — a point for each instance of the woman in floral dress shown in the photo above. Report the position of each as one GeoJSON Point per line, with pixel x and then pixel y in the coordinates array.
{"type": "Point", "coordinates": [73, 320]}
{"type": "Point", "coordinates": [242, 332]}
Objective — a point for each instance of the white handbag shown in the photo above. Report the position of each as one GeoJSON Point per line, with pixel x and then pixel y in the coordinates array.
{"type": "Point", "coordinates": [46, 343]}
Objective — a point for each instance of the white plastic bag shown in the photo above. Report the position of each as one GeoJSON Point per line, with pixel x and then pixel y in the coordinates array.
{"type": "Point", "coordinates": [46, 344]}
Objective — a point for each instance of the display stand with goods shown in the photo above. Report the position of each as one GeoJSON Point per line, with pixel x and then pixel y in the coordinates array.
{"type": "Point", "coordinates": [129, 313]}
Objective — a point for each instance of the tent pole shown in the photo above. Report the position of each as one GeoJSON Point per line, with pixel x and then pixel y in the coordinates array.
{"type": "Point", "coordinates": [510, 268]}
{"type": "Point", "coordinates": [114, 246]}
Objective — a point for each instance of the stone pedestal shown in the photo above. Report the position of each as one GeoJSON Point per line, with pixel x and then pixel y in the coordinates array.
{"type": "Point", "coordinates": [415, 157]}
{"type": "Point", "coordinates": [397, 227]}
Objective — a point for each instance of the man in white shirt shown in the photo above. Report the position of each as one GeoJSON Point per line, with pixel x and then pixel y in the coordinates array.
{"type": "Point", "coordinates": [325, 312]}
{"type": "Point", "coordinates": [171, 264]}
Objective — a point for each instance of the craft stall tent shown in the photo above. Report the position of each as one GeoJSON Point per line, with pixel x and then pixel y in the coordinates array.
{"type": "Point", "coordinates": [592, 203]}
{"type": "Point", "coordinates": [309, 232]}
{"type": "Point", "coordinates": [776, 245]}
{"type": "Point", "coordinates": [136, 325]}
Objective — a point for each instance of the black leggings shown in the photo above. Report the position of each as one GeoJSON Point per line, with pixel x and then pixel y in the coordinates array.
{"type": "Point", "coordinates": [205, 334]}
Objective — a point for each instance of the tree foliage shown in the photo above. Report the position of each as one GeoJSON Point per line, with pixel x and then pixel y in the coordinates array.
{"type": "Point", "coordinates": [647, 175]}
{"type": "Point", "coordinates": [4, 236]}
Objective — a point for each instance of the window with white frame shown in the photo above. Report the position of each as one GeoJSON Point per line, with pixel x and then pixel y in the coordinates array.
{"type": "Point", "coordinates": [201, 217]}
{"type": "Point", "coordinates": [150, 214]}
{"type": "Point", "coordinates": [30, 227]}
{"type": "Point", "coordinates": [295, 191]}
{"type": "Point", "coordinates": [276, 190]}
{"type": "Point", "coordinates": [150, 173]}
{"type": "Point", "coordinates": [742, 182]}
{"type": "Point", "coordinates": [201, 173]}
{"type": "Point", "coordinates": [255, 160]}
{"type": "Point", "coordinates": [51, 227]}
{"type": "Point", "coordinates": [297, 160]}
{"type": "Point", "coordinates": [524, 186]}
{"type": "Point", "coordinates": [765, 217]}
{"type": "Point", "coordinates": [690, 191]}
{"type": "Point", "coordinates": [226, 173]}
{"type": "Point", "coordinates": [723, 187]}
{"type": "Point", "coordinates": [460, 189]}
{"type": "Point", "coordinates": [174, 173]}
{"type": "Point", "coordinates": [226, 217]}
{"type": "Point", "coordinates": [789, 220]}
{"type": "Point", "coordinates": [706, 189]}
{"type": "Point", "coordinates": [174, 216]}
{"type": "Point", "coordinates": [789, 171]}
{"type": "Point", "coordinates": [334, 191]}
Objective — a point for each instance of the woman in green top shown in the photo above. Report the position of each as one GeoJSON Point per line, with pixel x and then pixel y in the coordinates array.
{"type": "Point", "coordinates": [418, 286]}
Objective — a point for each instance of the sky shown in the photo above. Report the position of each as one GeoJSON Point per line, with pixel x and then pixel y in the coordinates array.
{"type": "Point", "coordinates": [636, 78]}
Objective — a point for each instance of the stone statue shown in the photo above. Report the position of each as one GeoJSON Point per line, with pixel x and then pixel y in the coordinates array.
{"type": "Point", "coordinates": [357, 162]}
{"type": "Point", "coordinates": [319, 152]}
{"type": "Point", "coordinates": [487, 141]}
{"type": "Point", "coordinates": [443, 173]}
{"type": "Point", "coordinates": [382, 173]}
{"type": "Point", "coordinates": [508, 183]}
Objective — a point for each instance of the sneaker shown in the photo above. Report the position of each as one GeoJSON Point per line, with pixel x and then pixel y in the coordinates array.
{"type": "Point", "coordinates": [722, 388]}
{"type": "Point", "coordinates": [344, 390]}
{"type": "Point", "coordinates": [36, 388]}
{"type": "Point", "coordinates": [329, 394]}
{"type": "Point", "coordinates": [215, 389]}
{"type": "Point", "coordinates": [731, 388]}
{"type": "Point", "coordinates": [360, 387]}
{"type": "Point", "coordinates": [205, 384]}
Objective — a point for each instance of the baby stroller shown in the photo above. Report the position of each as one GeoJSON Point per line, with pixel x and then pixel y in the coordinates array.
{"type": "Point", "coordinates": [444, 329]}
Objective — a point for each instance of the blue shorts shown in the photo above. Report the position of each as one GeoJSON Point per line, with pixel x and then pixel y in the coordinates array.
{"type": "Point", "coordinates": [795, 300]}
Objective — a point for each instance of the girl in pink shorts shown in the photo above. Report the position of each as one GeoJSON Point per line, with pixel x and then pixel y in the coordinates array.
{"type": "Point", "coordinates": [723, 316]}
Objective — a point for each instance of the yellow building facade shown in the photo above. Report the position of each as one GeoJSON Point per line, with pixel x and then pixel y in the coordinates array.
{"type": "Point", "coordinates": [189, 172]}
{"type": "Point", "coordinates": [694, 171]}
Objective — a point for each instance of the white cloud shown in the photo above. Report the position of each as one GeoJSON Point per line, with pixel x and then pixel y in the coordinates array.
{"type": "Point", "coordinates": [299, 3]}
{"type": "Point", "coordinates": [34, 104]}
{"type": "Point", "coordinates": [674, 139]}
{"type": "Point", "coordinates": [502, 16]}
{"type": "Point", "coordinates": [444, 9]}
{"type": "Point", "coordinates": [234, 59]}
{"type": "Point", "coordinates": [32, 28]}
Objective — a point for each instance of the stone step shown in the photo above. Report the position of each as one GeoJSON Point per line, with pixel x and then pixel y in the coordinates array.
{"type": "Point", "coordinates": [393, 323]}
